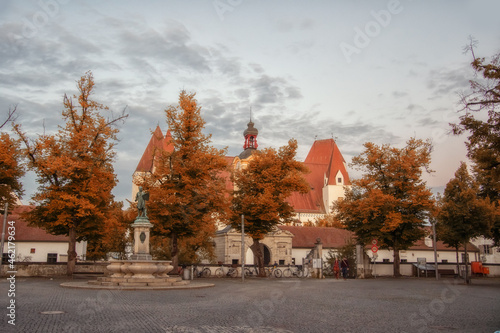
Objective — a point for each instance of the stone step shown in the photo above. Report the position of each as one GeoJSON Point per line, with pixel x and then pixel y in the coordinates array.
{"type": "Point", "coordinates": [133, 284]}
{"type": "Point", "coordinates": [160, 284]}
{"type": "Point", "coordinates": [109, 284]}
{"type": "Point", "coordinates": [181, 283]}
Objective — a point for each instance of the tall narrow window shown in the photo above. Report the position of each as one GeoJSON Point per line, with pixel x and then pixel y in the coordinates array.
{"type": "Point", "coordinates": [51, 258]}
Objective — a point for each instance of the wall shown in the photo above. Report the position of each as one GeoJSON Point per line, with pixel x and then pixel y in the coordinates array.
{"type": "Point", "coordinates": [23, 250]}
{"type": "Point", "coordinates": [332, 193]}
{"type": "Point", "coordinates": [487, 258]}
{"type": "Point", "coordinates": [412, 255]}
{"type": "Point", "coordinates": [407, 269]}
{"type": "Point", "coordinates": [307, 217]}
{"type": "Point", "coordinates": [26, 269]}
{"type": "Point", "coordinates": [228, 247]}
{"type": "Point", "coordinates": [300, 254]}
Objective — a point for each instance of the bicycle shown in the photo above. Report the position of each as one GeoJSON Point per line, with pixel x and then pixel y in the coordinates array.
{"type": "Point", "coordinates": [305, 272]}
{"type": "Point", "coordinates": [251, 271]}
{"type": "Point", "coordinates": [232, 272]}
{"type": "Point", "coordinates": [274, 271]}
{"type": "Point", "coordinates": [293, 272]}
{"type": "Point", "coordinates": [205, 272]}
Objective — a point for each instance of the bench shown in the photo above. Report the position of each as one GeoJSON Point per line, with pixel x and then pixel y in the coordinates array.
{"type": "Point", "coordinates": [447, 272]}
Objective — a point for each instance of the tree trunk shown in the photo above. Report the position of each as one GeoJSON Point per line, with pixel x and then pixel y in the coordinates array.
{"type": "Point", "coordinates": [174, 252]}
{"type": "Point", "coordinates": [467, 280]}
{"type": "Point", "coordinates": [397, 272]}
{"type": "Point", "coordinates": [71, 251]}
{"type": "Point", "coordinates": [259, 255]}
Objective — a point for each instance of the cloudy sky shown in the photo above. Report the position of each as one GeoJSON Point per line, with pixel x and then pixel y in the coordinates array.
{"type": "Point", "coordinates": [356, 71]}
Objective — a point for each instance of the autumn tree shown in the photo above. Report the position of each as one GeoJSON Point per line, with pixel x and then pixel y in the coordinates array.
{"type": "Point", "coordinates": [390, 202]}
{"type": "Point", "coordinates": [329, 221]}
{"type": "Point", "coordinates": [115, 235]}
{"type": "Point", "coordinates": [11, 166]}
{"type": "Point", "coordinates": [262, 188]}
{"type": "Point", "coordinates": [446, 233]}
{"type": "Point", "coordinates": [463, 215]}
{"type": "Point", "coordinates": [481, 120]}
{"type": "Point", "coordinates": [74, 169]}
{"type": "Point", "coordinates": [186, 188]}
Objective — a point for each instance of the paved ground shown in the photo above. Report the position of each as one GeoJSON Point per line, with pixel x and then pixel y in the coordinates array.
{"type": "Point", "coordinates": [268, 305]}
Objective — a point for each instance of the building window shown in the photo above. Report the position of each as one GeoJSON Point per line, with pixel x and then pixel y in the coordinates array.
{"type": "Point", "coordinates": [404, 260]}
{"type": "Point", "coordinates": [385, 260]}
{"type": "Point", "coordinates": [5, 258]}
{"type": "Point", "coordinates": [444, 261]}
{"type": "Point", "coordinates": [51, 258]}
{"type": "Point", "coordinates": [235, 261]}
{"type": "Point", "coordinates": [487, 249]}
{"type": "Point", "coordinates": [339, 180]}
{"type": "Point", "coordinates": [281, 262]}
{"type": "Point", "coordinates": [463, 257]}
{"type": "Point", "coordinates": [32, 250]}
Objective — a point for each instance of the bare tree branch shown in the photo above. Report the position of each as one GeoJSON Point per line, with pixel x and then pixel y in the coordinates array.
{"type": "Point", "coordinates": [10, 116]}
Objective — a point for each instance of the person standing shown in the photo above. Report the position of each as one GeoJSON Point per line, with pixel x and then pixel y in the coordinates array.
{"type": "Point", "coordinates": [344, 265]}
{"type": "Point", "coordinates": [336, 268]}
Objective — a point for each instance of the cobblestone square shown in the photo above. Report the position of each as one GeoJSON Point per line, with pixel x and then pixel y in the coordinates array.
{"type": "Point", "coordinates": [259, 305]}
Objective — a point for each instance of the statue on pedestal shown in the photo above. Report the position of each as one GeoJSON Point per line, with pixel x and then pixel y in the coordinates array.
{"type": "Point", "coordinates": [141, 198]}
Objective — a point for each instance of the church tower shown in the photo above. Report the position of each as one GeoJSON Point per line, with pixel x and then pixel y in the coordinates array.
{"type": "Point", "coordinates": [250, 144]}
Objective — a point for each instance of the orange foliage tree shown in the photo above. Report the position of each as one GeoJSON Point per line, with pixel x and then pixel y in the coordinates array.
{"type": "Point", "coordinates": [462, 214]}
{"type": "Point", "coordinates": [11, 167]}
{"type": "Point", "coordinates": [390, 202]}
{"type": "Point", "coordinates": [187, 190]}
{"type": "Point", "coordinates": [115, 235]}
{"type": "Point", "coordinates": [329, 221]}
{"type": "Point", "coordinates": [261, 192]}
{"type": "Point", "coordinates": [74, 169]}
{"type": "Point", "coordinates": [481, 120]}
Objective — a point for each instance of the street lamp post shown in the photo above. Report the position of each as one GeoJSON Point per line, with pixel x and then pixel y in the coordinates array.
{"type": "Point", "coordinates": [242, 248]}
{"type": "Point", "coordinates": [435, 248]}
{"type": "Point", "coordinates": [3, 231]}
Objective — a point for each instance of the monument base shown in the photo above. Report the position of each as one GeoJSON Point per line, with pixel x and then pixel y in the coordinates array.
{"type": "Point", "coordinates": [141, 256]}
{"type": "Point", "coordinates": [141, 227]}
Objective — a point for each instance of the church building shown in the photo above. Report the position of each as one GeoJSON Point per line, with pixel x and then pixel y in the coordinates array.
{"type": "Point", "coordinates": [327, 178]}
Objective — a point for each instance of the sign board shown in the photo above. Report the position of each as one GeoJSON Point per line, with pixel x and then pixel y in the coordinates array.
{"type": "Point", "coordinates": [374, 242]}
{"type": "Point", "coordinates": [374, 248]}
{"type": "Point", "coordinates": [421, 261]}
{"type": "Point", "coordinates": [317, 263]}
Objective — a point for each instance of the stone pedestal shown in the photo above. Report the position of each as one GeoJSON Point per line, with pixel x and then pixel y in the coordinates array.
{"type": "Point", "coordinates": [140, 270]}
{"type": "Point", "coordinates": [142, 228]}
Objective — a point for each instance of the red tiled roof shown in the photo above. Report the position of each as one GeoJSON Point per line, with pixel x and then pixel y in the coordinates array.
{"type": "Point", "coordinates": [305, 237]}
{"type": "Point", "coordinates": [312, 201]}
{"type": "Point", "coordinates": [156, 143]}
{"type": "Point", "coordinates": [25, 233]}
{"type": "Point", "coordinates": [327, 153]}
{"type": "Point", "coordinates": [440, 246]}
{"type": "Point", "coordinates": [324, 159]}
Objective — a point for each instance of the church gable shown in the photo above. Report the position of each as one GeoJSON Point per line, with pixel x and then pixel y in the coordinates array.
{"type": "Point", "coordinates": [157, 143]}
{"type": "Point", "coordinates": [327, 167]}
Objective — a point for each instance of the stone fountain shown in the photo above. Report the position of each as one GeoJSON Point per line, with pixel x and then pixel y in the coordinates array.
{"type": "Point", "coordinates": [141, 270]}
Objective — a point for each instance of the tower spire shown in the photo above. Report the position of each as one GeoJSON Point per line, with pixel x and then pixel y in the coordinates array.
{"type": "Point", "coordinates": [250, 144]}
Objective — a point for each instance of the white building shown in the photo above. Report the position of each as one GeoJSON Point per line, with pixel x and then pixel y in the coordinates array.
{"type": "Point", "coordinates": [33, 244]}
{"type": "Point", "coordinates": [489, 254]}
